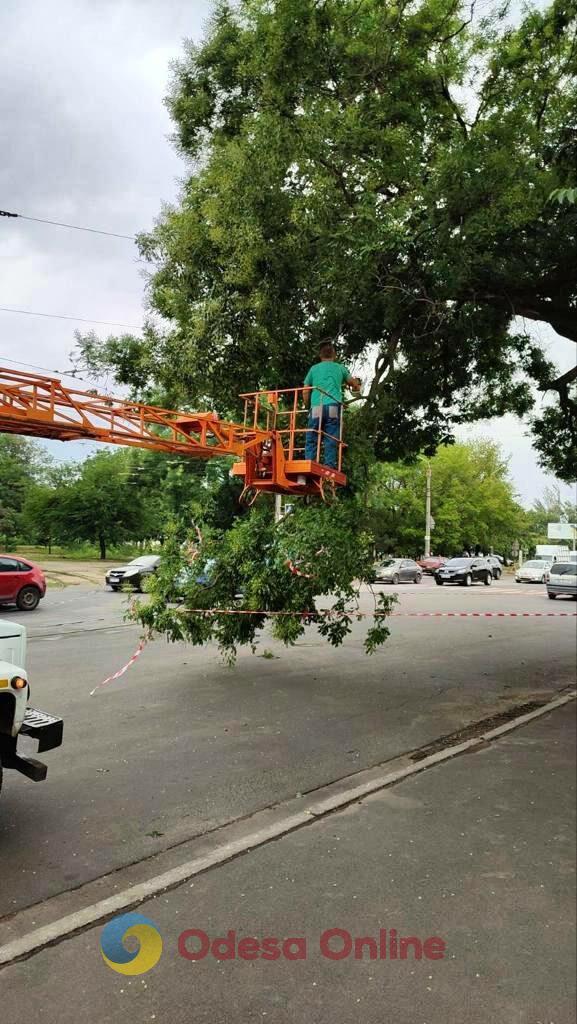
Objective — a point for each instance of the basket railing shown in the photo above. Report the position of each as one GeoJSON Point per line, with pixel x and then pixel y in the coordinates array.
{"type": "Point", "coordinates": [287, 412]}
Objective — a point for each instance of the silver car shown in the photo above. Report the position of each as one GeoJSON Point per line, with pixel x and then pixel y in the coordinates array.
{"type": "Point", "coordinates": [397, 570]}
{"type": "Point", "coordinates": [533, 571]}
{"type": "Point", "coordinates": [562, 580]}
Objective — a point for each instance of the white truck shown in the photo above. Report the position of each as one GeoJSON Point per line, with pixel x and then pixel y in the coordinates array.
{"type": "Point", "coordinates": [17, 717]}
{"type": "Point", "coordinates": [560, 552]}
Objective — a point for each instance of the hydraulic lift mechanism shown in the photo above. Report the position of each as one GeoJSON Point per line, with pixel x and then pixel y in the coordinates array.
{"type": "Point", "coordinates": [268, 446]}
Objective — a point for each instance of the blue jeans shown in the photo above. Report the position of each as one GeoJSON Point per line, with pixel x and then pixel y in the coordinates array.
{"type": "Point", "coordinates": [328, 419]}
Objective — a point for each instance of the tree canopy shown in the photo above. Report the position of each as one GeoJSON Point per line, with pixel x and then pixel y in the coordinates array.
{"type": "Point", "coordinates": [381, 173]}
{"type": "Point", "coordinates": [22, 465]}
{"type": "Point", "coordinates": [385, 173]}
{"type": "Point", "coordinates": [472, 502]}
{"type": "Point", "coordinates": [119, 497]}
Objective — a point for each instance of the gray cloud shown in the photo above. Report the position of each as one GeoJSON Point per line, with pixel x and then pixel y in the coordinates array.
{"type": "Point", "coordinates": [83, 138]}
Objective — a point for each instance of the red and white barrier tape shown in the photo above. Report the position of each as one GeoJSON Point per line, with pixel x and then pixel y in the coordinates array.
{"type": "Point", "coordinates": [296, 571]}
{"type": "Point", "coordinates": [329, 613]}
{"type": "Point", "coordinates": [292, 567]}
{"type": "Point", "coordinates": [191, 551]}
{"type": "Point", "coordinates": [487, 615]}
{"type": "Point", "coordinates": [124, 669]}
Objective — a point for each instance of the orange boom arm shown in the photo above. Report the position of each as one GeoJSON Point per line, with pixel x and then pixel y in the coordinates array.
{"type": "Point", "coordinates": [267, 445]}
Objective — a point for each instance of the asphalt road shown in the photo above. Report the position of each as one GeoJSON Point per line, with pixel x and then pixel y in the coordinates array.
{"type": "Point", "coordinates": [477, 852]}
{"type": "Point", "coordinates": [182, 744]}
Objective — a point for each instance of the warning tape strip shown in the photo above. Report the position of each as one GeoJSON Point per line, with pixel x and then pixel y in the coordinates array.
{"type": "Point", "coordinates": [124, 669]}
{"type": "Point", "coordinates": [330, 614]}
{"type": "Point", "coordinates": [296, 571]}
{"type": "Point", "coordinates": [487, 615]}
{"type": "Point", "coordinates": [353, 613]}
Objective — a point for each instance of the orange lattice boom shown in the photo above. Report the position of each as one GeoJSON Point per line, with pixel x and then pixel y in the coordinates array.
{"type": "Point", "coordinates": [269, 445]}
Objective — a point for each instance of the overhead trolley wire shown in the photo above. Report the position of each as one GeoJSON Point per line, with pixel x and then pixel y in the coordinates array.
{"type": "Point", "coordinates": [65, 316]}
{"type": "Point", "coordinates": [62, 224]}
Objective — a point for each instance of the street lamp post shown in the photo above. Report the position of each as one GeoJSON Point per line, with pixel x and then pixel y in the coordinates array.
{"type": "Point", "coordinates": [428, 512]}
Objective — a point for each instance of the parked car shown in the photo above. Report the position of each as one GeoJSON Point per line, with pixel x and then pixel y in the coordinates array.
{"type": "Point", "coordinates": [21, 582]}
{"type": "Point", "coordinates": [200, 574]}
{"type": "Point", "coordinates": [133, 573]}
{"type": "Point", "coordinates": [397, 570]}
{"type": "Point", "coordinates": [430, 564]}
{"type": "Point", "coordinates": [496, 566]}
{"type": "Point", "coordinates": [562, 580]}
{"type": "Point", "coordinates": [533, 571]}
{"type": "Point", "coordinates": [465, 571]}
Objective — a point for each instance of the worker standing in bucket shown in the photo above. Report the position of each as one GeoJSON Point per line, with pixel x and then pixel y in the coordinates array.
{"type": "Point", "coordinates": [326, 379]}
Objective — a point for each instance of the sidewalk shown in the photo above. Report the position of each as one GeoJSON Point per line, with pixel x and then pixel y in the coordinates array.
{"type": "Point", "coordinates": [478, 851]}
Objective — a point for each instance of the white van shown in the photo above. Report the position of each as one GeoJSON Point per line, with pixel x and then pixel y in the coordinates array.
{"type": "Point", "coordinates": [17, 717]}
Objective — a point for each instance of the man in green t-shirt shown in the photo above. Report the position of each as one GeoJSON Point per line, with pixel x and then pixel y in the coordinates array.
{"type": "Point", "coordinates": [326, 379]}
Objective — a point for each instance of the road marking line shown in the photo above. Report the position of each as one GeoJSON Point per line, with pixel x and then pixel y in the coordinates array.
{"type": "Point", "coordinates": [80, 632]}
{"type": "Point", "coordinates": [314, 806]}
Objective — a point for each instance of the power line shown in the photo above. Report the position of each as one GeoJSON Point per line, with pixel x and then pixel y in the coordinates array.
{"type": "Point", "coordinates": [31, 366]}
{"type": "Point", "coordinates": [46, 369]}
{"type": "Point", "coordinates": [64, 316]}
{"type": "Point", "coordinates": [61, 224]}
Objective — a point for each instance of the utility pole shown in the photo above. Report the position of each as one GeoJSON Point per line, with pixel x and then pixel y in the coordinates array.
{"type": "Point", "coordinates": [277, 508]}
{"type": "Point", "coordinates": [428, 512]}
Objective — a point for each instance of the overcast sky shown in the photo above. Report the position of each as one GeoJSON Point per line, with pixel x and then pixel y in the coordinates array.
{"type": "Point", "coordinates": [84, 138]}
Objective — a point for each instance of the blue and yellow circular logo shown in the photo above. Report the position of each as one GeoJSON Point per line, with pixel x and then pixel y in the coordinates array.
{"type": "Point", "coordinates": [122, 960]}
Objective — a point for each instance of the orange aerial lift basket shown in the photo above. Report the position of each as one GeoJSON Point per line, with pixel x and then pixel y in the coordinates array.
{"type": "Point", "coordinates": [269, 446]}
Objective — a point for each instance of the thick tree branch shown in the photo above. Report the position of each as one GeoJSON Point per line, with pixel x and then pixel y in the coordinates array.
{"type": "Point", "coordinates": [384, 363]}
{"type": "Point", "coordinates": [454, 107]}
{"type": "Point", "coordinates": [562, 381]}
{"type": "Point", "coordinates": [563, 319]}
{"type": "Point", "coordinates": [561, 386]}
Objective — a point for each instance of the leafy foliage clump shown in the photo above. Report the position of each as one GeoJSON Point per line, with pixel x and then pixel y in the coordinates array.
{"type": "Point", "coordinates": [304, 570]}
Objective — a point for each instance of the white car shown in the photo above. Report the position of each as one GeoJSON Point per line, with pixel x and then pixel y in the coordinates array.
{"type": "Point", "coordinates": [16, 716]}
{"type": "Point", "coordinates": [533, 571]}
{"type": "Point", "coordinates": [562, 580]}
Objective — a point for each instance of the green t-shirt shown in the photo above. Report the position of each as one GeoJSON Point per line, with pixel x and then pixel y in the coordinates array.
{"type": "Point", "coordinates": [329, 377]}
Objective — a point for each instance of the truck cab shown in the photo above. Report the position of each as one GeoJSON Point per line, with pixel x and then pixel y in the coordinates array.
{"type": "Point", "coordinates": [17, 716]}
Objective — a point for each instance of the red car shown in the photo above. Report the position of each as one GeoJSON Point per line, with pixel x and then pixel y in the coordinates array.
{"type": "Point", "coordinates": [431, 564]}
{"type": "Point", "coordinates": [21, 582]}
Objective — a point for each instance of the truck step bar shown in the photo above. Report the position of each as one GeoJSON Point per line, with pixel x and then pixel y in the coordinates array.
{"type": "Point", "coordinates": [45, 728]}
{"type": "Point", "coordinates": [28, 766]}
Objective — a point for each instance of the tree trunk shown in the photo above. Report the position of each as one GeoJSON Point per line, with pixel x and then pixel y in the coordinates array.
{"type": "Point", "coordinates": [102, 543]}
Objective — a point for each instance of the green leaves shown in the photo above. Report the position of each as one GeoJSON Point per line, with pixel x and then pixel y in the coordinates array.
{"type": "Point", "coordinates": [563, 195]}
{"type": "Point", "coordinates": [307, 569]}
{"type": "Point", "coordinates": [473, 502]}
{"type": "Point", "coordinates": [353, 189]}
{"type": "Point", "coordinates": [24, 467]}
{"type": "Point", "coordinates": [379, 173]}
